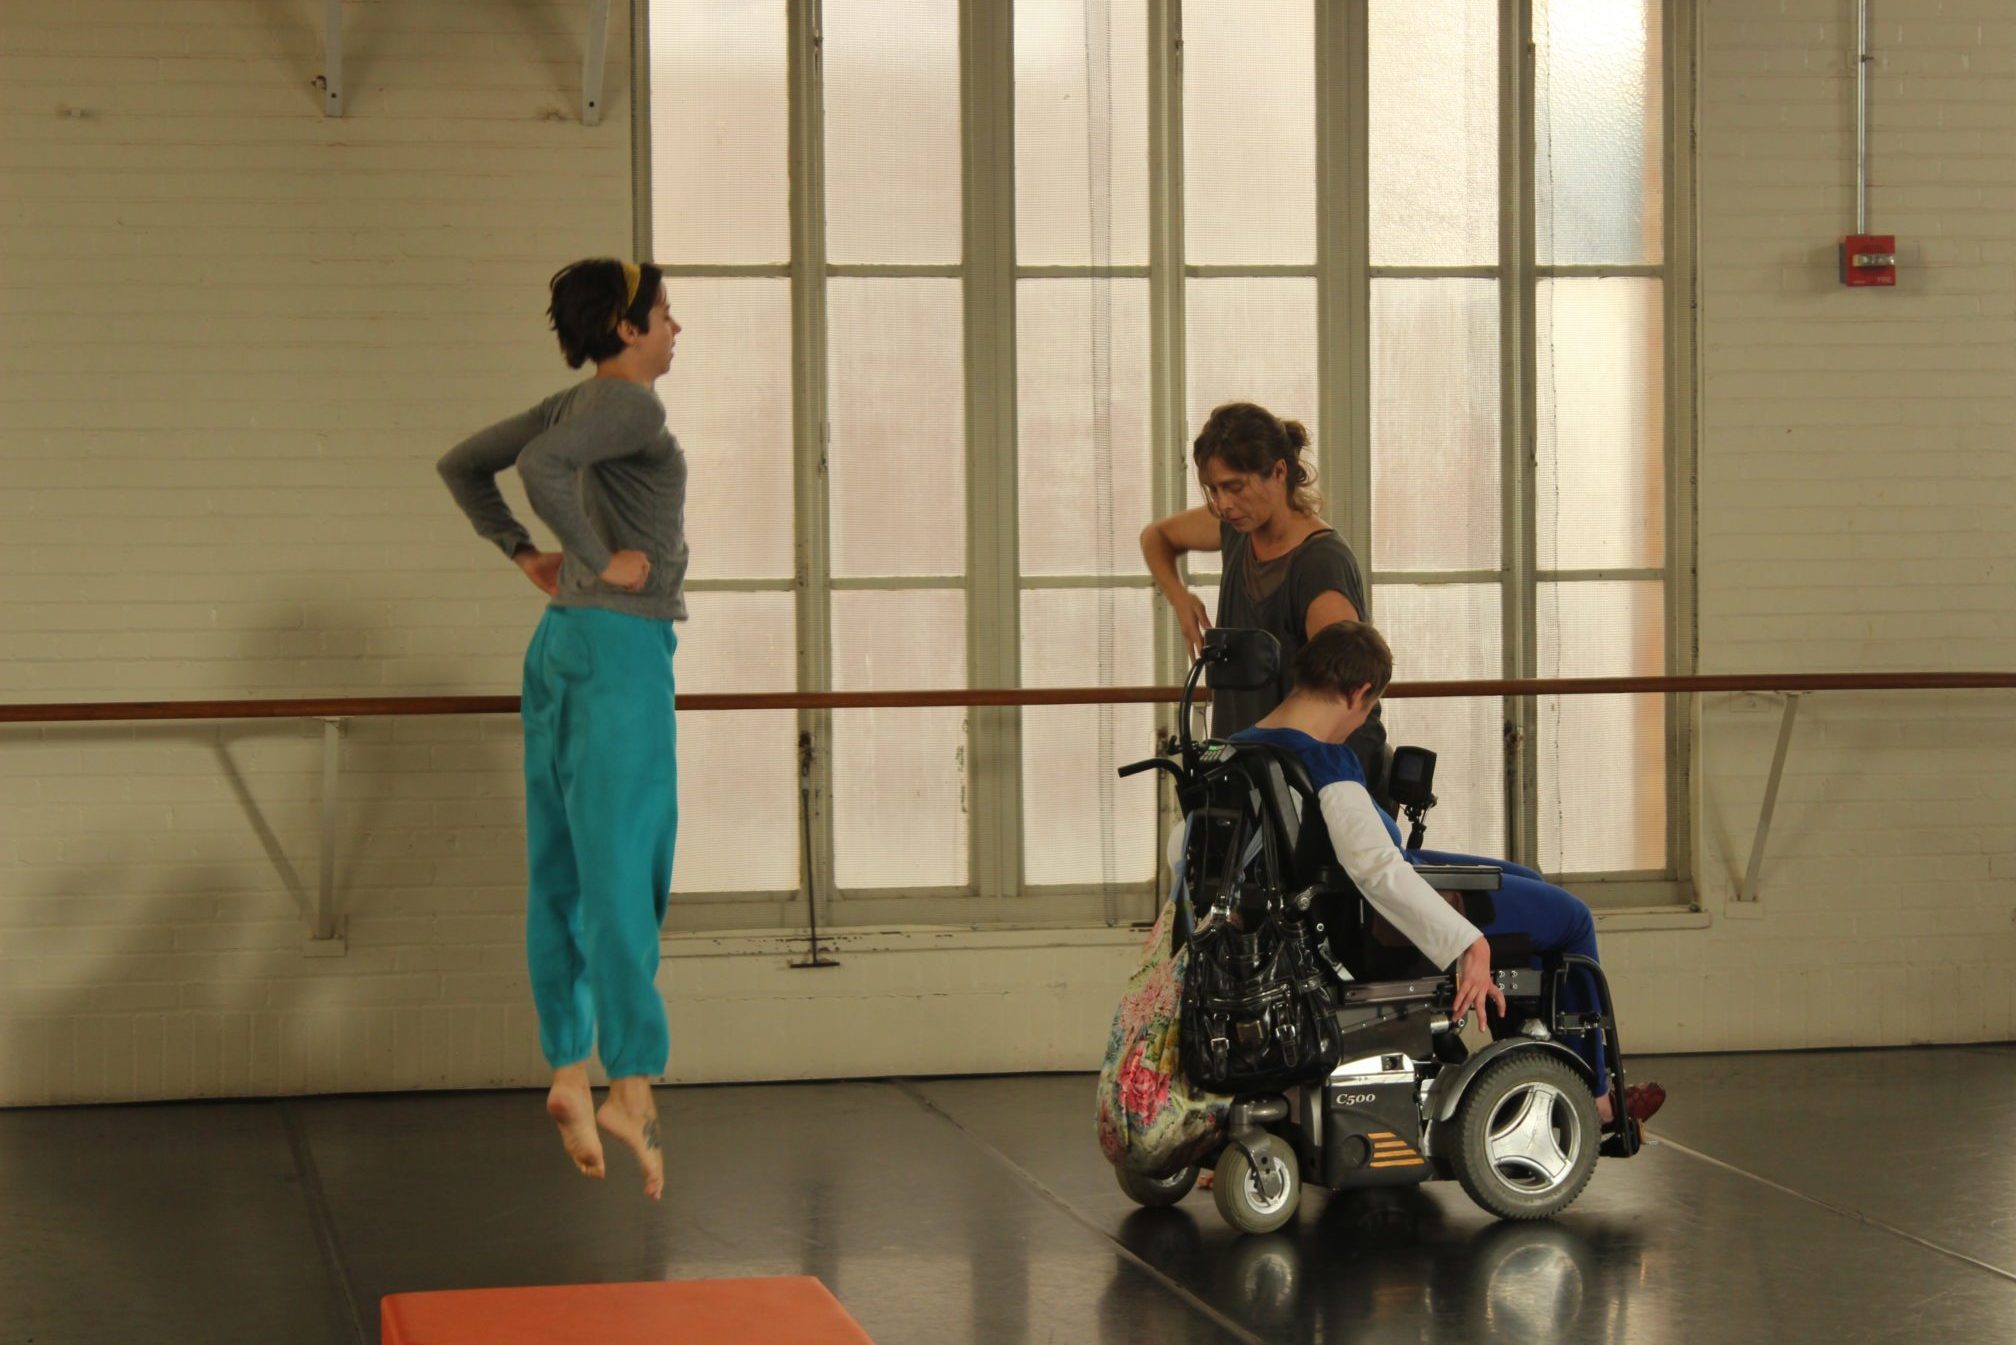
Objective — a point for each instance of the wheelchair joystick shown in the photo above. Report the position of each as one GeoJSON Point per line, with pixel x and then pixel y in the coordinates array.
{"type": "Point", "coordinates": [1417, 814]}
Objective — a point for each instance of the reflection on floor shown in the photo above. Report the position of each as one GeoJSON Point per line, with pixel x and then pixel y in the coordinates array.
{"type": "Point", "coordinates": [1864, 1196]}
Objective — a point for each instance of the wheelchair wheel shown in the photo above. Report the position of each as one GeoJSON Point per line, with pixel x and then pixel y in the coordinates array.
{"type": "Point", "coordinates": [1156, 1192]}
{"type": "Point", "coordinates": [1257, 1195]}
{"type": "Point", "coordinates": [1525, 1136]}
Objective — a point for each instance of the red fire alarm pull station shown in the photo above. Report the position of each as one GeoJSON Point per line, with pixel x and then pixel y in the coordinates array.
{"type": "Point", "coordinates": [1869, 259]}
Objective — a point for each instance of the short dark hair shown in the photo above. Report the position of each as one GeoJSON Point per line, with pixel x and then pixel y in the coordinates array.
{"type": "Point", "coordinates": [1342, 657]}
{"type": "Point", "coordinates": [590, 298]}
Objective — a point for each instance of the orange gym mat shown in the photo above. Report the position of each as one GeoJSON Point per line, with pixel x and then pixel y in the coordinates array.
{"type": "Point", "coordinates": [790, 1310]}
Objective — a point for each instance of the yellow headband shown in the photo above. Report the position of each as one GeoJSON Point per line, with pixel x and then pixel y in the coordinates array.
{"type": "Point", "coordinates": [633, 276]}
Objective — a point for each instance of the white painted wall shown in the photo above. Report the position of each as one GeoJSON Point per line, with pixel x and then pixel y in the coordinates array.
{"type": "Point", "coordinates": [234, 335]}
{"type": "Point", "coordinates": [1856, 496]}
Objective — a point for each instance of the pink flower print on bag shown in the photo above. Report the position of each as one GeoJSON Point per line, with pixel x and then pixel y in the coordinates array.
{"type": "Point", "coordinates": [1150, 1118]}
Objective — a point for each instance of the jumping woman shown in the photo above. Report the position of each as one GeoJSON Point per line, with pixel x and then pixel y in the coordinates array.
{"type": "Point", "coordinates": [601, 786]}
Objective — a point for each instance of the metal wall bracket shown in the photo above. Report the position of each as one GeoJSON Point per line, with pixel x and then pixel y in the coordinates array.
{"type": "Point", "coordinates": [332, 59]}
{"type": "Point", "coordinates": [1748, 893]}
{"type": "Point", "coordinates": [326, 929]}
{"type": "Point", "coordinates": [594, 62]}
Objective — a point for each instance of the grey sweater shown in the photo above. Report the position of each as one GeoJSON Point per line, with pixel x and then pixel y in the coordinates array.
{"type": "Point", "coordinates": [604, 474]}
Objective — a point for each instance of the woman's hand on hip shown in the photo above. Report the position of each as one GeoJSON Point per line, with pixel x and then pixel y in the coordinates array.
{"type": "Point", "coordinates": [627, 570]}
{"type": "Point", "coordinates": [541, 567]}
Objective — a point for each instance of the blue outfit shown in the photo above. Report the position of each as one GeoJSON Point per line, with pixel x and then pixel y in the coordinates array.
{"type": "Point", "coordinates": [601, 777]}
{"type": "Point", "coordinates": [601, 818]}
{"type": "Point", "coordinates": [1554, 919]}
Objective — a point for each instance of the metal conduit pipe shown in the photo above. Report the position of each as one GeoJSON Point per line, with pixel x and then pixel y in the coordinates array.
{"type": "Point", "coordinates": [1861, 116]}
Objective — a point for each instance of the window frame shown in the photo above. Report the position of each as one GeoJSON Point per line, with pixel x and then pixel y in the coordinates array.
{"type": "Point", "coordinates": [990, 272]}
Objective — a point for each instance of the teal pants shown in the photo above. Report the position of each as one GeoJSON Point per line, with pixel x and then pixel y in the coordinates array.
{"type": "Point", "coordinates": [601, 815]}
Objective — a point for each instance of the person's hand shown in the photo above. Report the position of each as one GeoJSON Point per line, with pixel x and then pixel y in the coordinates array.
{"type": "Point", "coordinates": [541, 567]}
{"type": "Point", "coordinates": [627, 570]}
{"type": "Point", "coordinates": [1474, 987]}
{"type": "Point", "coordinates": [1195, 621]}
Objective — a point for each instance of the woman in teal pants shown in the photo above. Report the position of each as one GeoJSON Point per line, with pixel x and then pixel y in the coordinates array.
{"type": "Point", "coordinates": [601, 785]}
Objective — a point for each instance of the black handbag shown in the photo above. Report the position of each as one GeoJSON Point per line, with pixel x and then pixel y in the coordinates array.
{"type": "Point", "coordinates": [1258, 1013]}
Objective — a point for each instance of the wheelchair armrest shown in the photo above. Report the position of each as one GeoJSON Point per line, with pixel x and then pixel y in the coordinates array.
{"type": "Point", "coordinates": [1462, 877]}
{"type": "Point", "coordinates": [1516, 982]}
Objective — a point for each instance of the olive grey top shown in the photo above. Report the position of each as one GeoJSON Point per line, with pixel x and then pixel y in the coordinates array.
{"type": "Point", "coordinates": [1274, 596]}
{"type": "Point", "coordinates": [601, 471]}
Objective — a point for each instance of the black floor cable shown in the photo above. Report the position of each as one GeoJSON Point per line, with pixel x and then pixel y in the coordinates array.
{"type": "Point", "coordinates": [320, 1218]}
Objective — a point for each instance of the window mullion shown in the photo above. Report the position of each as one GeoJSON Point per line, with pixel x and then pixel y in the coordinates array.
{"type": "Point", "coordinates": [1168, 434]}
{"type": "Point", "coordinates": [1343, 370]}
{"type": "Point", "coordinates": [1251, 270]}
{"type": "Point", "coordinates": [1433, 272]}
{"type": "Point", "coordinates": [642, 244]}
{"type": "Point", "coordinates": [724, 271]}
{"type": "Point", "coordinates": [1165, 287]}
{"type": "Point", "coordinates": [813, 540]}
{"type": "Point", "coordinates": [1678, 46]}
{"type": "Point", "coordinates": [993, 622]}
{"type": "Point", "coordinates": [1519, 435]}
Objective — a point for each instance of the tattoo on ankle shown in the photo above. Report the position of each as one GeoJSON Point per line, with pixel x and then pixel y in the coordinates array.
{"type": "Point", "coordinates": [651, 1133]}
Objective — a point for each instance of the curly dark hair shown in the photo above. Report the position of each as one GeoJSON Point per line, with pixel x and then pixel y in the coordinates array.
{"type": "Point", "coordinates": [589, 301]}
{"type": "Point", "coordinates": [1250, 438]}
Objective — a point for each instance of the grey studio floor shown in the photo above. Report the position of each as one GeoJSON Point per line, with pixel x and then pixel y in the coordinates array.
{"type": "Point", "coordinates": [1855, 1196]}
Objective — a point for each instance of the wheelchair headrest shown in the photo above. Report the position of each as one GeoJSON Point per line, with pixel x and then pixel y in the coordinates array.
{"type": "Point", "coordinates": [1410, 776]}
{"type": "Point", "coordinates": [1240, 660]}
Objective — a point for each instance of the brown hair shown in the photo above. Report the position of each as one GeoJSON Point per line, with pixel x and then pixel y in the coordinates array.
{"type": "Point", "coordinates": [1342, 657]}
{"type": "Point", "coordinates": [1250, 438]}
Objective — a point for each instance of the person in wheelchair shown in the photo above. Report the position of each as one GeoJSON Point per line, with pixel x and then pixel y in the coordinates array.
{"type": "Point", "coordinates": [1339, 676]}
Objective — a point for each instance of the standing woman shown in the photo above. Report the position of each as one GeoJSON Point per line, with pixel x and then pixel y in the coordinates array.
{"type": "Point", "coordinates": [1286, 570]}
{"type": "Point", "coordinates": [601, 786]}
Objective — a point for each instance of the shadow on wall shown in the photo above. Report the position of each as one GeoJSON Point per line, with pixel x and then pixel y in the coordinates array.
{"type": "Point", "coordinates": [151, 926]}
{"type": "Point", "coordinates": [1860, 770]}
{"type": "Point", "coordinates": [190, 877]}
{"type": "Point", "coordinates": [166, 936]}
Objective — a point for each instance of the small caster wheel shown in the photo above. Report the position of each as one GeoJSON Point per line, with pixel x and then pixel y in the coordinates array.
{"type": "Point", "coordinates": [1257, 1195]}
{"type": "Point", "coordinates": [1156, 1192]}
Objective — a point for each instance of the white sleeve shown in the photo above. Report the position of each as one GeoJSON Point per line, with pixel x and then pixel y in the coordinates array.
{"type": "Point", "coordinates": [1382, 873]}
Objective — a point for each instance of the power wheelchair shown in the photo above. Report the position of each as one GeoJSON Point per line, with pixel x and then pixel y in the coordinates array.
{"type": "Point", "coordinates": [1404, 1100]}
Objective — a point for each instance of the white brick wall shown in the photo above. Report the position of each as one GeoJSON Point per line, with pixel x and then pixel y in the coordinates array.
{"type": "Point", "coordinates": [234, 336]}
{"type": "Point", "coordinates": [1856, 498]}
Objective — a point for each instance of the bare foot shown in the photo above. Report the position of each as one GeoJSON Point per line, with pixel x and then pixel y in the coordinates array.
{"type": "Point", "coordinates": [629, 1114]}
{"type": "Point", "coordinates": [573, 1110]}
